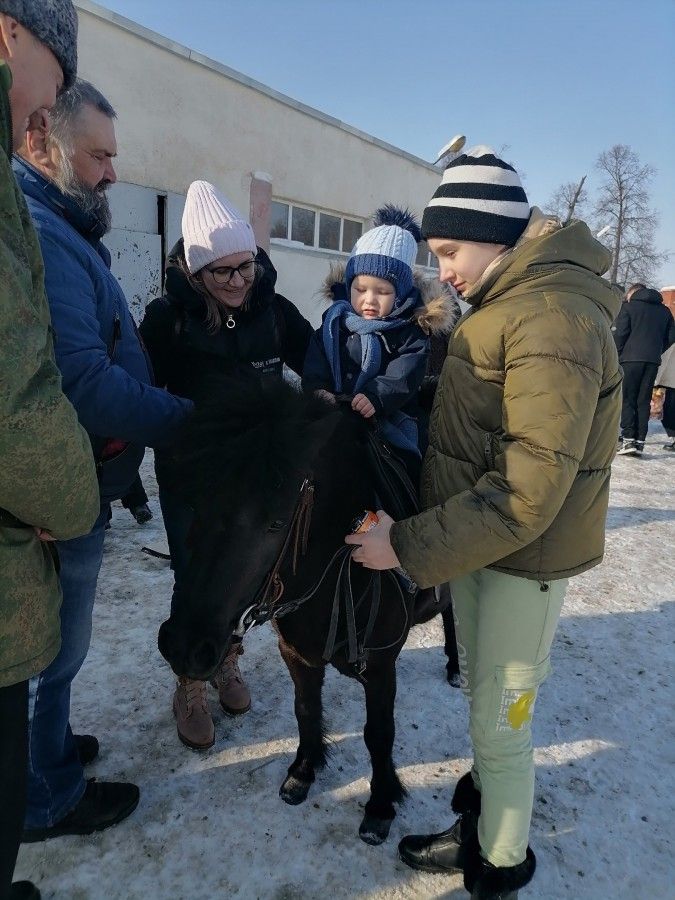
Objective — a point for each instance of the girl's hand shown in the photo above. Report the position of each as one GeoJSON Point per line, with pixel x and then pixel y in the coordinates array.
{"type": "Point", "coordinates": [374, 550]}
{"type": "Point", "coordinates": [361, 404]}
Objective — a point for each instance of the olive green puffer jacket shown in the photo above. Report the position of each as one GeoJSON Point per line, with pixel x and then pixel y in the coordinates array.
{"type": "Point", "coordinates": [525, 421]}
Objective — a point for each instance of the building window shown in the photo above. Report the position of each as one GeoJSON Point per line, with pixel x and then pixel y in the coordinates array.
{"type": "Point", "coordinates": [352, 231]}
{"type": "Point", "coordinates": [422, 254]}
{"type": "Point", "coordinates": [279, 220]}
{"type": "Point", "coordinates": [313, 227]}
{"type": "Point", "coordinates": [425, 257]}
{"type": "Point", "coordinates": [329, 231]}
{"type": "Point", "coordinates": [302, 225]}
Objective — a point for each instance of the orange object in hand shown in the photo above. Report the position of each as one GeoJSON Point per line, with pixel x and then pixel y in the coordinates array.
{"type": "Point", "coordinates": [363, 523]}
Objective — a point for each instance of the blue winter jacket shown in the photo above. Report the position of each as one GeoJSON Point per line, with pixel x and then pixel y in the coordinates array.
{"type": "Point", "coordinates": [106, 373]}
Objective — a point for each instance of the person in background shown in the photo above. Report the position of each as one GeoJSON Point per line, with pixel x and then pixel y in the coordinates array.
{"type": "Point", "coordinates": [643, 331]}
{"type": "Point", "coordinates": [48, 486]}
{"type": "Point", "coordinates": [636, 286]}
{"type": "Point", "coordinates": [515, 487]}
{"type": "Point", "coordinates": [64, 171]}
{"type": "Point", "coordinates": [220, 315]}
{"type": "Point", "coordinates": [136, 501]}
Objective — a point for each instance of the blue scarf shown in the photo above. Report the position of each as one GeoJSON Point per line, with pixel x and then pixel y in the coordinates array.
{"type": "Point", "coordinates": [342, 312]}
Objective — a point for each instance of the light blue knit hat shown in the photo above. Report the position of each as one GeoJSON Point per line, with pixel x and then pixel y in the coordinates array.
{"type": "Point", "coordinates": [388, 250]}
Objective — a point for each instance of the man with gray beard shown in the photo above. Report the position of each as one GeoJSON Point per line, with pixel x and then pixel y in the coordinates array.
{"type": "Point", "coordinates": [64, 170]}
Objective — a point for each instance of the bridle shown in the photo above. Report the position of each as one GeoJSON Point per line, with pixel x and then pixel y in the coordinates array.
{"type": "Point", "coordinates": [297, 536]}
{"type": "Point", "coordinates": [268, 603]}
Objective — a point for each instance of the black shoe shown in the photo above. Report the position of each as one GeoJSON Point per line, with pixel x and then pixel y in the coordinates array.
{"type": "Point", "coordinates": [487, 882]}
{"type": "Point", "coordinates": [442, 852]}
{"type": "Point", "coordinates": [640, 446]}
{"type": "Point", "coordinates": [446, 852]}
{"type": "Point", "coordinates": [87, 748]}
{"type": "Point", "coordinates": [141, 513]}
{"type": "Point", "coordinates": [24, 890]}
{"type": "Point", "coordinates": [628, 448]}
{"type": "Point", "coordinates": [104, 803]}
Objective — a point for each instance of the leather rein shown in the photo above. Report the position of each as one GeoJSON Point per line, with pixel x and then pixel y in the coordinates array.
{"type": "Point", "coordinates": [268, 601]}
{"type": "Point", "coordinates": [297, 536]}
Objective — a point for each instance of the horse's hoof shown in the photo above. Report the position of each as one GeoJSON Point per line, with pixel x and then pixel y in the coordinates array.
{"type": "Point", "coordinates": [454, 679]}
{"type": "Point", "coordinates": [373, 830]}
{"type": "Point", "coordinates": [294, 791]}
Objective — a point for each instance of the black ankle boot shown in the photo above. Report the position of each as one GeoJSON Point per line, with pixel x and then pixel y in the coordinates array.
{"type": "Point", "coordinates": [104, 803]}
{"type": "Point", "coordinates": [141, 513]}
{"type": "Point", "coordinates": [487, 882]}
{"type": "Point", "coordinates": [445, 852]}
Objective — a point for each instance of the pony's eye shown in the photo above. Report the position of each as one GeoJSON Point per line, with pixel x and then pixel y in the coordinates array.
{"type": "Point", "coordinates": [277, 525]}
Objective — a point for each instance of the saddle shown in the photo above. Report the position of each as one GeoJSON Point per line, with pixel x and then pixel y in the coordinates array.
{"type": "Point", "coordinates": [394, 488]}
{"type": "Point", "coordinates": [400, 498]}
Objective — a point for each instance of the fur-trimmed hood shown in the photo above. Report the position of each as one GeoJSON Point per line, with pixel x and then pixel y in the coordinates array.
{"type": "Point", "coordinates": [438, 315]}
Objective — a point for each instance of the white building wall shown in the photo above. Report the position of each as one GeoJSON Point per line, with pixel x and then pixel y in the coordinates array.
{"type": "Point", "coordinates": [182, 117]}
{"type": "Point", "coordinates": [302, 273]}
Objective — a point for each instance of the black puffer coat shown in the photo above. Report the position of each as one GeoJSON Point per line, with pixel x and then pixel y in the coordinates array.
{"type": "Point", "coordinates": [268, 333]}
{"type": "Point", "coordinates": [644, 328]}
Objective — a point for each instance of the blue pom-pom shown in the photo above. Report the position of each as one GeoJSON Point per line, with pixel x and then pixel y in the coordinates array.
{"type": "Point", "coordinates": [394, 215]}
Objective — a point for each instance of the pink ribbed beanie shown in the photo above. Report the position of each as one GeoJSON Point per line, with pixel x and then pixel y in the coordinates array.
{"type": "Point", "coordinates": [212, 227]}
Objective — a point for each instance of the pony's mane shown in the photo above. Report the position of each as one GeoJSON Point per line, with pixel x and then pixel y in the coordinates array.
{"type": "Point", "coordinates": [247, 436]}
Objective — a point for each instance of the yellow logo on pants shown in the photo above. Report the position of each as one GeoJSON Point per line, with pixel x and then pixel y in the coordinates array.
{"type": "Point", "coordinates": [520, 711]}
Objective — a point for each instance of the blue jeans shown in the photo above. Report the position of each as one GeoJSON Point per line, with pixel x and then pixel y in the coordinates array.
{"type": "Point", "coordinates": [55, 776]}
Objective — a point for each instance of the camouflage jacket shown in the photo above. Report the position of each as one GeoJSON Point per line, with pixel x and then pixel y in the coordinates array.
{"type": "Point", "coordinates": [47, 473]}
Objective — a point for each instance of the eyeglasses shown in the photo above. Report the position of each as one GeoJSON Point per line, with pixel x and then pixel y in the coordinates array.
{"type": "Point", "coordinates": [225, 274]}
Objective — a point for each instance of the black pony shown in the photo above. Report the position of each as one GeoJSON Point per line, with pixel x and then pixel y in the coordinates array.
{"type": "Point", "coordinates": [276, 478]}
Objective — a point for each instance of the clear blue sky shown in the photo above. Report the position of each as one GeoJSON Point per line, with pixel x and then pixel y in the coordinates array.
{"type": "Point", "coordinates": [556, 80]}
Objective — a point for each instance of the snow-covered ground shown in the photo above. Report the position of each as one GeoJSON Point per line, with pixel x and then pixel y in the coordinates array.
{"type": "Point", "coordinates": [211, 825]}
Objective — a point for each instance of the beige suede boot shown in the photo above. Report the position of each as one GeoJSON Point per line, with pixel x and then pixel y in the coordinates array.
{"type": "Point", "coordinates": [193, 719]}
{"type": "Point", "coordinates": [233, 691]}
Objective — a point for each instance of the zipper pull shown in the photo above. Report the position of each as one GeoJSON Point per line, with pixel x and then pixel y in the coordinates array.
{"type": "Point", "coordinates": [116, 335]}
{"type": "Point", "coordinates": [229, 322]}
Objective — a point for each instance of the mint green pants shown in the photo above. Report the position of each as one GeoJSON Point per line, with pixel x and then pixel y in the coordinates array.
{"type": "Point", "coordinates": [505, 626]}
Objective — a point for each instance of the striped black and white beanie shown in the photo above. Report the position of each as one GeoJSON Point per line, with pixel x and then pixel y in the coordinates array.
{"type": "Point", "coordinates": [480, 198]}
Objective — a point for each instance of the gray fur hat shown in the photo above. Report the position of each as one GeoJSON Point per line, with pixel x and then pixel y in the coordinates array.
{"type": "Point", "coordinates": [54, 24]}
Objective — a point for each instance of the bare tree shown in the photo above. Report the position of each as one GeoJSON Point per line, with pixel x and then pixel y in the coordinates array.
{"type": "Point", "coordinates": [569, 201]}
{"type": "Point", "coordinates": [624, 212]}
{"type": "Point", "coordinates": [503, 152]}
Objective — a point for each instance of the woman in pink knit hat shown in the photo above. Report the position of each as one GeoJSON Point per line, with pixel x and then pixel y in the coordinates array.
{"type": "Point", "coordinates": [220, 314]}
